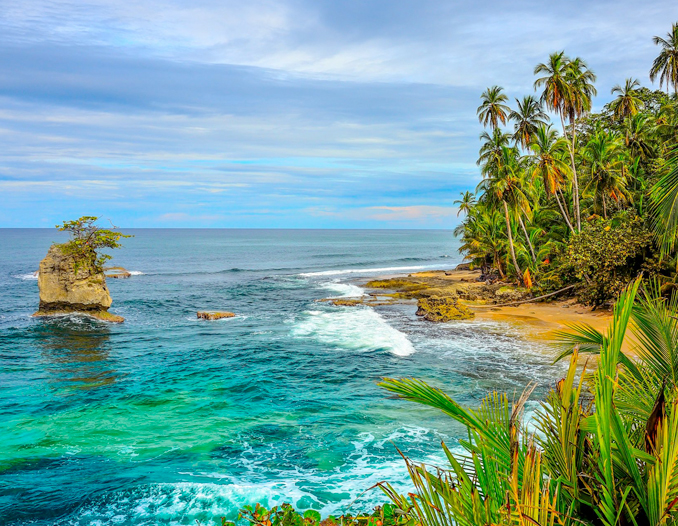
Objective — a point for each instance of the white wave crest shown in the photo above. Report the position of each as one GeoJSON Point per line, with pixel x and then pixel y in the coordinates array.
{"type": "Point", "coordinates": [31, 276]}
{"type": "Point", "coordinates": [136, 273]}
{"type": "Point", "coordinates": [353, 328]}
{"type": "Point", "coordinates": [345, 290]}
{"type": "Point", "coordinates": [363, 270]}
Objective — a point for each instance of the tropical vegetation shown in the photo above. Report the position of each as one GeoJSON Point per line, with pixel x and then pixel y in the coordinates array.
{"type": "Point", "coordinates": [603, 447]}
{"type": "Point", "coordinates": [555, 175]}
{"type": "Point", "coordinates": [88, 240]}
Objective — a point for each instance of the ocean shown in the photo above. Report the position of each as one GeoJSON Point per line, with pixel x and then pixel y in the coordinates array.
{"type": "Point", "coordinates": [166, 419]}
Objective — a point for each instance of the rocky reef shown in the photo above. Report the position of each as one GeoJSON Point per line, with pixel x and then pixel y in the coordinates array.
{"type": "Point", "coordinates": [68, 285]}
{"type": "Point", "coordinates": [214, 315]}
{"type": "Point", "coordinates": [439, 309]}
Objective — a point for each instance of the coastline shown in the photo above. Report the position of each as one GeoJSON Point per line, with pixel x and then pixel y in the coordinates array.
{"type": "Point", "coordinates": [538, 320]}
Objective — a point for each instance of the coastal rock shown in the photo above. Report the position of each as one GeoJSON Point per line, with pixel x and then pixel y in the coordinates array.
{"type": "Point", "coordinates": [346, 302]}
{"type": "Point", "coordinates": [506, 294]}
{"type": "Point", "coordinates": [440, 309]}
{"type": "Point", "coordinates": [214, 315]}
{"type": "Point", "coordinates": [117, 272]}
{"type": "Point", "coordinates": [68, 286]}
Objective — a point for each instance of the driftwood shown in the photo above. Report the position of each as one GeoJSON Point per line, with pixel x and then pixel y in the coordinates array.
{"type": "Point", "coordinates": [529, 300]}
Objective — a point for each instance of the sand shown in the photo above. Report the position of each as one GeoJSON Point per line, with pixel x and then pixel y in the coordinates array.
{"type": "Point", "coordinates": [537, 320]}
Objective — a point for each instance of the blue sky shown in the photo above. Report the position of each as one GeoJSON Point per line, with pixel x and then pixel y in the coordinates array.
{"type": "Point", "coordinates": [267, 113]}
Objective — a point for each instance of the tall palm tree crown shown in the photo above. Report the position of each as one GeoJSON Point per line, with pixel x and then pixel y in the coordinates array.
{"type": "Point", "coordinates": [553, 81]}
{"type": "Point", "coordinates": [665, 66]}
{"type": "Point", "coordinates": [528, 117]}
{"type": "Point", "coordinates": [627, 102]}
{"type": "Point", "coordinates": [493, 109]}
{"type": "Point", "coordinates": [466, 203]}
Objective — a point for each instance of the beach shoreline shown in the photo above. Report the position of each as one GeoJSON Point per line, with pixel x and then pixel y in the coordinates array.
{"type": "Point", "coordinates": [539, 320]}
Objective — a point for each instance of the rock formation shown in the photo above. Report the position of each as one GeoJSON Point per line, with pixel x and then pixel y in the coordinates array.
{"type": "Point", "coordinates": [212, 315]}
{"type": "Point", "coordinates": [446, 308]}
{"type": "Point", "coordinates": [69, 286]}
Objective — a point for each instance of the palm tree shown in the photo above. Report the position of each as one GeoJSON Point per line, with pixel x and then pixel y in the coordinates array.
{"type": "Point", "coordinates": [605, 168]}
{"type": "Point", "coordinates": [491, 148]}
{"type": "Point", "coordinates": [664, 206]}
{"type": "Point", "coordinates": [483, 237]}
{"type": "Point", "coordinates": [466, 203]}
{"type": "Point", "coordinates": [665, 66]}
{"type": "Point", "coordinates": [582, 90]}
{"type": "Point", "coordinates": [637, 130]}
{"type": "Point", "coordinates": [493, 109]}
{"type": "Point", "coordinates": [611, 460]}
{"type": "Point", "coordinates": [567, 90]}
{"type": "Point", "coordinates": [503, 183]}
{"type": "Point", "coordinates": [627, 102]}
{"type": "Point", "coordinates": [548, 153]}
{"type": "Point", "coordinates": [528, 117]}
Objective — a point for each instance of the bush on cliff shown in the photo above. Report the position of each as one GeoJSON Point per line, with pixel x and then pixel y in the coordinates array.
{"type": "Point", "coordinates": [87, 239]}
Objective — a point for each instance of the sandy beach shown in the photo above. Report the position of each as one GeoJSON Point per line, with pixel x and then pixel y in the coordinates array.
{"type": "Point", "coordinates": [538, 320]}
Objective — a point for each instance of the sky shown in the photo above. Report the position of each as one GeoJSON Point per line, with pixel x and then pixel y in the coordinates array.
{"type": "Point", "coordinates": [277, 113]}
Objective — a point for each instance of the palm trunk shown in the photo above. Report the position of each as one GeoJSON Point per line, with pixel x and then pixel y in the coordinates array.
{"type": "Point", "coordinates": [510, 238]}
{"type": "Point", "coordinates": [563, 212]}
{"type": "Point", "coordinates": [574, 177]}
{"type": "Point", "coordinates": [529, 242]}
{"type": "Point", "coordinates": [497, 262]}
{"type": "Point", "coordinates": [575, 183]}
{"type": "Point", "coordinates": [604, 208]}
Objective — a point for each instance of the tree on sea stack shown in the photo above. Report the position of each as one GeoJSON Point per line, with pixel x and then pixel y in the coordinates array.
{"type": "Point", "coordinates": [71, 277]}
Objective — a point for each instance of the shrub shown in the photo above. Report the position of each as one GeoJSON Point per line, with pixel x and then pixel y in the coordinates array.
{"type": "Point", "coordinates": [87, 239]}
{"type": "Point", "coordinates": [606, 256]}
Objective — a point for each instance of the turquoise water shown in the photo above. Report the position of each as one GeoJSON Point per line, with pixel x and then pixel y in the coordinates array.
{"type": "Point", "coordinates": [167, 420]}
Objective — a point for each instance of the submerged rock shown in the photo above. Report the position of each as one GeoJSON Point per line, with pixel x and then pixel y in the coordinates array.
{"type": "Point", "coordinates": [440, 309]}
{"type": "Point", "coordinates": [117, 272]}
{"type": "Point", "coordinates": [214, 315]}
{"type": "Point", "coordinates": [70, 286]}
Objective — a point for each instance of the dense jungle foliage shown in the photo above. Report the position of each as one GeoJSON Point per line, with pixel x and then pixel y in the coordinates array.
{"type": "Point", "coordinates": [550, 188]}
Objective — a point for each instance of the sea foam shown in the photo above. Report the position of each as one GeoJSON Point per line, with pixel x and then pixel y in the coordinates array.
{"type": "Point", "coordinates": [25, 277]}
{"type": "Point", "coordinates": [353, 328]}
{"type": "Point", "coordinates": [345, 290]}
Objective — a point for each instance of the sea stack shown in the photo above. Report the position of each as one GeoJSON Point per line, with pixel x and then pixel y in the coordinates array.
{"type": "Point", "coordinates": [68, 285]}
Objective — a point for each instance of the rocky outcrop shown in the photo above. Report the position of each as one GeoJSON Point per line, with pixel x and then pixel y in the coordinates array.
{"type": "Point", "coordinates": [117, 272]}
{"type": "Point", "coordinates": [440, 309]}
{"type": "Point", "coordinates": [212, 315]}
{"type": "Point", "coordinates": [70, 286]}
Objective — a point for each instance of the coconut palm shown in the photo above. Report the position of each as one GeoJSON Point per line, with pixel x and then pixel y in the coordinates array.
{"type": "Point", "coordinates": [578, 103]}
{"type": "Point", "coordinates": [491, 148]}
{"type": "Point", "coordinates": [466, 203]}
{"type": "Point", "coordinates": [548, 164]}
{"type": "Point", "coordinates": [503, 183]}
{"type": "Point", "coordinates": [637, 136]}
{"type": "Point", "coordinates": [665, 66]}
{"type": "Point", "coordinates": [627, 102]}
{"type": "Point", "coordinates": [567, 90]}
{"type": "Point", "coordinates": [493, 109]}
{"type": "Point", "coordinates": [527, 118]}
{"type": "Point", "coordinates": [604, 167]}
{"type": "Point", "coordinates": [483, 237]}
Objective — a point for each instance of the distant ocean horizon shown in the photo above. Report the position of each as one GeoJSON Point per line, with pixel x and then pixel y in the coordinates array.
{"type": "Point", "coordinates": [166, 419]}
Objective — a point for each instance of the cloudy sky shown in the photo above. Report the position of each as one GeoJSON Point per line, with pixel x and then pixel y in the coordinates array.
{"type": "Point", "coordinates": [276, 113]}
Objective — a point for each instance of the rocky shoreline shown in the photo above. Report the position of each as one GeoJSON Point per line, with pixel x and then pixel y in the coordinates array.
{"type": "Point", "coordinates": [448, 295]}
